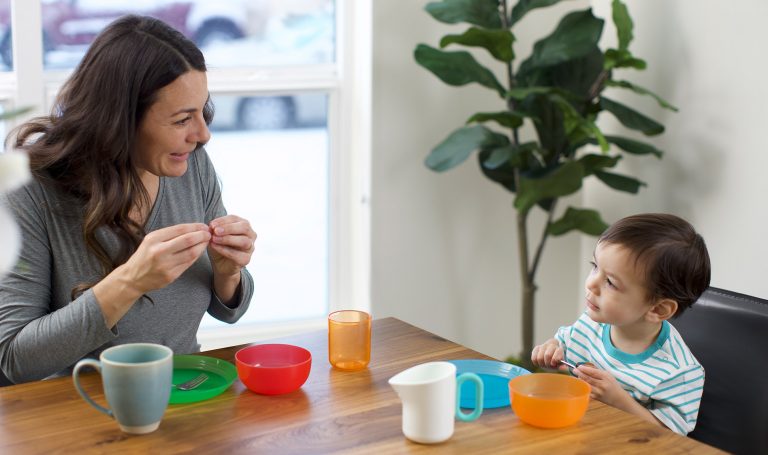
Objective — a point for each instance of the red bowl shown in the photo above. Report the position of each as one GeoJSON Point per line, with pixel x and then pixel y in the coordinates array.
{"type": "Point", "coordinates": [272, 369]}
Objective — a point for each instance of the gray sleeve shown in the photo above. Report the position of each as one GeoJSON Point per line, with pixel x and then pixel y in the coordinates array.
{"type": "Point", "coordinates": [218, 310]}
{"type": "Point", "coordinates": [37, 340]}
{"type": "Point", "coordinates": [214, 208]}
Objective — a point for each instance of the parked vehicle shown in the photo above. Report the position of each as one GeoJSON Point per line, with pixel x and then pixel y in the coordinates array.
{"type": "Point", "coordinates": [301, 110]}
{"type": "Point", "coordinates": [290, 40]}
{"type": "Point", "coordinates": [75, 23]}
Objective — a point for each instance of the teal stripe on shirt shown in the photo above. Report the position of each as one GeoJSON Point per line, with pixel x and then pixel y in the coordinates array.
{"type": "Point", "coordinates": [674, 422]}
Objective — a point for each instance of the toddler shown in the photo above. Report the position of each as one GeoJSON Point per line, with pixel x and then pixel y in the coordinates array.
{"type": "Point", "coordinates": [646, 269]}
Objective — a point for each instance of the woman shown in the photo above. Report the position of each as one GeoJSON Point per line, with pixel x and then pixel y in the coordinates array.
{"type": "Point", "coordinates": [125, 237]}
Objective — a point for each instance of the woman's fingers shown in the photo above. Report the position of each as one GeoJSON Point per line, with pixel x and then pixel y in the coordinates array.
{"type": "Point", "coordinates": [189, 241]}
{"type": "Point", "coordinates": [239, 242]}
{"type": "Point", "coordinates": [172, 232]}
{"type": "Point", "coordinates": [239, 257]}
{"type": "Point", "coordinates": [233, 231]}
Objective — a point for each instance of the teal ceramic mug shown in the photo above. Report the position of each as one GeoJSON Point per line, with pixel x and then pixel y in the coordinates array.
{"type": "Point", "coordinates": [137, 384]}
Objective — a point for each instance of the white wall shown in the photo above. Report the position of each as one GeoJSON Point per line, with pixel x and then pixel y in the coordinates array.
{"type": "Point", "coordinates": [444, 245]}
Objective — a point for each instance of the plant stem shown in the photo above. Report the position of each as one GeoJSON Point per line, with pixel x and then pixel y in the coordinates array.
{"type": "Point", "coordinates": [511, 102]}
{"type": "Point", "coordinates": [528, 290]}
{"type": "Point", "coordinates": [597, 86]}
{"type": "Point", "coordinates": [544, 236]}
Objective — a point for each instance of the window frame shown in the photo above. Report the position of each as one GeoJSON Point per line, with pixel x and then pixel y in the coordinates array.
{"type": "Point", "coordinates": [348, 85]}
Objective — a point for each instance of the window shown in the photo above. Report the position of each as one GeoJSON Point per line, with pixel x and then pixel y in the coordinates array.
{"type": "Point", "coordinates": [290, 82]}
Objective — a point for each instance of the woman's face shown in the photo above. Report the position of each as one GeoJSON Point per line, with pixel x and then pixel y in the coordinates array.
{"type": "Point", "coordinates": [173, 126]}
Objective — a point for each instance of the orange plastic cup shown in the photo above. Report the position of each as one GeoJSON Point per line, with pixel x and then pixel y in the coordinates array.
{"type": "Point", "coordinates": [549, 400]}
{"type": "Point", "coordinates": [349, 339]}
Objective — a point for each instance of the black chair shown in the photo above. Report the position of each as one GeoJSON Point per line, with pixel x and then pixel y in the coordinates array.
{"type": "Point", "coordinates": [728, 334]}
{"type": "Point", "coordinates": [4, 381]}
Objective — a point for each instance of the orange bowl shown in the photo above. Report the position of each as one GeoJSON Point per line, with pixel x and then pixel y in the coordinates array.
{"type": "Point", "coordinates": [273, 369]}
{"type": "Point", "coordinates": [549, 400]}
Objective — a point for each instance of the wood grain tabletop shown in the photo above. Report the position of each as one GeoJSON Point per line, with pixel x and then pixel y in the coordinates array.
{"type": "Point", "coordinates": [334, 412]}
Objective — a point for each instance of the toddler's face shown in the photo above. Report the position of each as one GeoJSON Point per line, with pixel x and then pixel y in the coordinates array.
{"type": "Point", "coordinates": [615, 288]}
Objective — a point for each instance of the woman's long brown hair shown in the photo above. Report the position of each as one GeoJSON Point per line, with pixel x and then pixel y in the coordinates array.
{"type": "Point", "coordinates": [86, 146]}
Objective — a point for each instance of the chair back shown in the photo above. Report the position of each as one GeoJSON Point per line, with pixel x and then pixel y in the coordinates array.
{"type": "Point", "coordinates": [728, 334]}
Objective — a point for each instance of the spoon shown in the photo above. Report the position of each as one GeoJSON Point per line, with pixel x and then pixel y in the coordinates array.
{"type": "Point", "coordinates": [571, 366]}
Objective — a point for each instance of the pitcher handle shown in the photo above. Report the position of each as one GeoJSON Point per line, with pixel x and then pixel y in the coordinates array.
{"type": "Point", "coordinates": [472, 377]}
{"type": "Point", "coordinates": [96, 365]}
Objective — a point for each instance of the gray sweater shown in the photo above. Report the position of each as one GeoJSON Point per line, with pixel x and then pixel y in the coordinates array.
{"type": "Point", "coordinates": [43, 332]}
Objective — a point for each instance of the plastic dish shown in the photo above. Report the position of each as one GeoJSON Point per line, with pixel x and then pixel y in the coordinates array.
{"type": "Point", "coordinates": [221, 375]}
{"type": "Point", "coordinates": [549, 400]}
{"type": "Point", "coordinates": [273, 369]}
{"type": "Point", "coordinates": [495, 376]}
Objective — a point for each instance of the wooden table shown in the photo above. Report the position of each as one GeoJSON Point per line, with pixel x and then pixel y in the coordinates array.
{"type": "Point", "coordinates": [335, 411]}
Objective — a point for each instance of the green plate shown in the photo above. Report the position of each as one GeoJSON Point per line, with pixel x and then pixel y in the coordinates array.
{"type": "Point", "coordinates": [221, 375]}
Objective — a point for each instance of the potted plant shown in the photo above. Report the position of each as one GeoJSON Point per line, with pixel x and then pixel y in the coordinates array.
{"type": "Point", "coordinates": [559, 90]}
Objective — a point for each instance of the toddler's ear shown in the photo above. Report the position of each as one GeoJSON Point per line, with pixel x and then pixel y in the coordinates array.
{"type": "Point", "coordinates": [662, 310]}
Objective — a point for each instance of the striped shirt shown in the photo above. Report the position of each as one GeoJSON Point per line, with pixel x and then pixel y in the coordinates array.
{"type": "Point", "coordinates": [665, 378]}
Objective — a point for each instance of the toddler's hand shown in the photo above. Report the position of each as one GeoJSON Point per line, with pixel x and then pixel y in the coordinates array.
{"type": "Point", "coordinates": [605, 387]}
{"type": "Point", "coordinates": [548, 354]}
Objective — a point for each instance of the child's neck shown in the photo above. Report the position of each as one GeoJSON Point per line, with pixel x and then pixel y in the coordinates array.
{"type": "Point", "coordinates": [635, 338]}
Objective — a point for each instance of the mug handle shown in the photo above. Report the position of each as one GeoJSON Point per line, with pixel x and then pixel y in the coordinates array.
{"type": "Point", "coordinates": [96, 365]}
{"type": "Point", "coordinates": [472, 377]}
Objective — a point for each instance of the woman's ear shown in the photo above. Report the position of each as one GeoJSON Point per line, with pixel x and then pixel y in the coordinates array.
{"type": "Point", "coordinates": [662, 310]}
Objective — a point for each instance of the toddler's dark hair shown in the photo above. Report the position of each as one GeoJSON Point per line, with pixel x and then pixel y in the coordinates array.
{"type": "Point", "coordinates": [669, 250]}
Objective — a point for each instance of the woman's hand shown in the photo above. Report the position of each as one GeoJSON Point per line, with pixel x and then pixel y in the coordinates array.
{"type": "Point", "coordinates": [165, 254]}
{"type": "Point", "coordinates": [160, 259]}
{"type": "Point", "coordinates": [230, 250]}
{"type": "Point", "coordinates": [548, 354]}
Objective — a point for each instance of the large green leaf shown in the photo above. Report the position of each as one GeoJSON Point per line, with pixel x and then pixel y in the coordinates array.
{"type": "Point", "coordinates": [509, 119]}
{"type": "Point", "coordinates": [497, 42]}
{"type": "Point", "coordinates": [633, 146]}
{"type": "Point", "coordinates": [564, 180]}
{"type": "Point", "coordinates": [456, 68]}
{"type": "Point", "coordinates": [576, 35]}
{"type": "Point", "coordinates": [577, 127]}
{"type": "Point", "coordinates": [593, 162]}
{"type": "Point", "coordinates": [578, 76]}
{"type": "Point", "coordinates": [504, 175]}
{"type": "Point", "coordinates": [524, 6]}
{"type": "Point", "coordinates": [615, 58]}
{"type": "Point", "coordinates": [457, 147]}
{"type": "Point", "coordinates": [585, 220]}
{"type": "Point", "coordinates": [641, 91]}
{"type": "Point", "coordinates": [510, 155]}
{"type": "Point", "coordinates": [521, 93]}
{"type": "Point", "coordinates": [623, 24]}
{"type": "Point", "coordinates": [484, 13]}
{"type": "Point", "coordinates": [548, 121]}
{"type": "Point", "coordinates": [581, 77]}
{"type": "Point", "coordinates": [631, 118]}
{"type": "Point", "coordinates": [620, 182]}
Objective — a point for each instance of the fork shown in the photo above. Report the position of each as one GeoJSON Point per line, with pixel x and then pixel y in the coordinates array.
{"type": "Point", "coordinates": [192, 383]}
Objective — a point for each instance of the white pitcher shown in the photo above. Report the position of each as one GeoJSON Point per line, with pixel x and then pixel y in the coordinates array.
{"type": "Point", "coordinates": [430, 396]}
